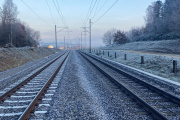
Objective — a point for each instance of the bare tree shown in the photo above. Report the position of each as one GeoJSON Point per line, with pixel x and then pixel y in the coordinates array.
{"type": "Point", "coordinates": [120, 37]}
{"type": "Point", "coordinates": [19, 34]}
{"type": "Point", "coordinates": [36, 38]}
{"type": "Point", "coordinates": [12, 30]}
{"type": "Point", "coordinates": [32, 37]}
{"type": "Point", "coordinates": [8, 17]}
{"type": "Point", "coordinates": [134, 33]}
{"type": "Point", "coordinates": [9, 12]}
{"type": "Point", "coordinates": [153, 17]}
{"type": "Point", "coordinates": [162, 22]}
{"type": "Point", "coordinates": [176, 20]}
{"type": "Point", "coordinates": [108, 37]}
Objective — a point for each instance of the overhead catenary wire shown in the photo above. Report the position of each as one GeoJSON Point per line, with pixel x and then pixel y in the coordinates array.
{"type": "Point", "coordinates": [86, 18]}
{"type": "Point", "coordinates": [35, 13]}
{"type": "Point", "coordinates": [59, 13]}
{"type": "Point", "coordinates": [91, 12]}
{"type": "Point", "coordinates": [50, 11]}
{"type": "Point", "coordinates": [99, 9]}
{"type": "Point", "coordinates": [105, 12]}
{"type": "Point", "coordinates": [59, 8]}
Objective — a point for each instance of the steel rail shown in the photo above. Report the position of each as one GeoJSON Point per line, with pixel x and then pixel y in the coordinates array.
{"type": "Point", "coordinates": [163, 93]}
{"type": "Point", "coordinates": [11, 91]}
{"type": "Point", "coordinates": [31, 106]}
{"type": "Point", "coordinates": [141, 102]}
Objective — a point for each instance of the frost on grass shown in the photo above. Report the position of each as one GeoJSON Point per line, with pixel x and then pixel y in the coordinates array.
{"type": "Point", "coordinates": [158, 64]}
{"type": "Point", "coordinates": [166, 46]}
{"type": "Point", "coordinates": [15, 57]}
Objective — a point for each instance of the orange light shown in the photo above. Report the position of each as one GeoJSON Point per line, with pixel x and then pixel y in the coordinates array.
{"type": "Point", "coordinates": [50, 46]}
{"type": "Point", "coordinates": [61, 48]}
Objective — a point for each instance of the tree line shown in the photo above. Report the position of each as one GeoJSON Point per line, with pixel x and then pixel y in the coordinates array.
{"type": "Point", "coordinates": [13, 31]}
{"type": "Point", "coordinates": [162, 22]}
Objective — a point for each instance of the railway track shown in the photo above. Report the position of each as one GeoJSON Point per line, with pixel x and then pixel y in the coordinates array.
{"type": "Point", "coordinates": [160, 104]}
{"type": "Point", "coordinates": [19, 101]}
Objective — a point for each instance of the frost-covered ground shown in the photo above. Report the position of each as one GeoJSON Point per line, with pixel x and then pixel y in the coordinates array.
{"type": "Point", "coordinates": [158, 64]}
{"type": "Point", "coordinates": [158, 56]}
{"type": "Point", "coordinates": [167, 46]}
{"type": "Point", "coordinates": [14, 57]}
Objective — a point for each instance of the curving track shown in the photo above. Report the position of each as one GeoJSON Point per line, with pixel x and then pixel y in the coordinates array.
{"type": "Point", "coordinates": [19, 101]}
{"type": "Point", "coordinates": [158, 103]}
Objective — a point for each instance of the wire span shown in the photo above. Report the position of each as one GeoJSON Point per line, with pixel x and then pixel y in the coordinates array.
{"type": "Point", "coordinates": [50, 11]}
{"type": "Point", "coordinates": [35, 13]}
{"type": "Point", "coordinates": [105, 12]}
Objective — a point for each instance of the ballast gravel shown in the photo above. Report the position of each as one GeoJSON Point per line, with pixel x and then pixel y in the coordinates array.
{"type": "Point", "coordinates": [83, 93]}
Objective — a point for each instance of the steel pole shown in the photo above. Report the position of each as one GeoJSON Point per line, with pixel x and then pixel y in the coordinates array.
{"type": "Point", "coordinates": [90, 35]}
{"type": "Point", "coordinates": [55, 36]}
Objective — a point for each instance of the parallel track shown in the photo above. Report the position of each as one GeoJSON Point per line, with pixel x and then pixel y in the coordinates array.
{"type": "Point", "coordinates": [18, 102]}
{"type": "Point", "coordinates": [161, 105]}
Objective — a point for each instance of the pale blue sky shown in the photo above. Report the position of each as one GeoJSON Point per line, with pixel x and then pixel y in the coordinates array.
{"type": "Point", "coordinates": [124, 15]}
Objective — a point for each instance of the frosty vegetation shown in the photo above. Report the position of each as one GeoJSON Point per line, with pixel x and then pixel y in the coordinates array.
{"type": "Point", "coordinates": [162, 23]}
{"type": "Point", "coordinates": [13, 31]}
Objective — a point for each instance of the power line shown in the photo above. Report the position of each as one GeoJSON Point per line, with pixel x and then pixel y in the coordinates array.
{"type": "Point", "coordinates": [96, 7]}
{"type": "Point", "coordinates": [88, 13]}
{"type": "Point", "coordinates": [50, 11]}
{"type": "Point", "coordinates": [59, 12]}
{"type": "Point", "coordinates": [91, 11]}
{"type": "Point", "coordinates": [85, 21]}
{"type": "Point", "coordinates": [59, 8]}
{"type": "Point", "coordinates": [99, 9]}
{"type": "Point", "coordinates": [35, 13]}
{"type": "Point", "coordinates": [106, 11]}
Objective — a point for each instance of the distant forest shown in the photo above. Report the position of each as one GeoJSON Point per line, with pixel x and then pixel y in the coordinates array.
{"type": "Point", "coordinates": [13, 31]}
{"type": "Point", "coordinates": [162, 22]}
